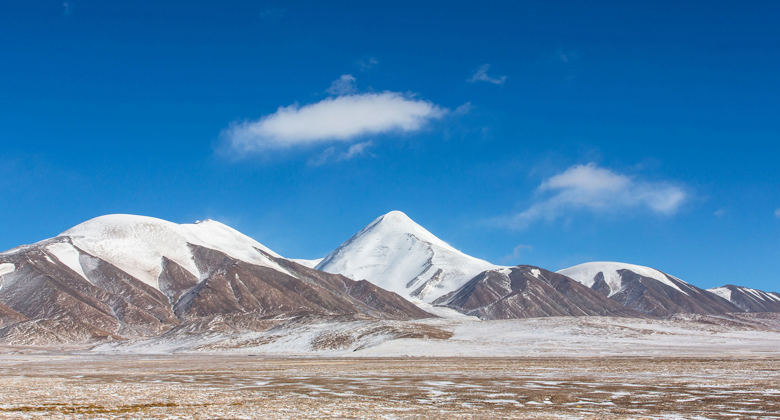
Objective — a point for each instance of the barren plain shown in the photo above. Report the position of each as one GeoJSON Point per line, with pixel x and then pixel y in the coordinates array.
{"type": "Point", "coordinates": [253, 387]}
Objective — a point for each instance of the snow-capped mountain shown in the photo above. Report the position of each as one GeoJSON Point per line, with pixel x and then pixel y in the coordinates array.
{"type": "Point", "coordinates": [399, 255]}
{"type": "Point", "coordinates": [647, 290]}
{"type": "Point", "coordinates": [123, 276]}
{"type": "Point", "coordinates": [749, 300]}
{"type": "Point", "coordinates": [130, 276]}
{"type": "Point", "coordinates": [529, 292]}
{"type": "Point", "coordinates": [138, 245]}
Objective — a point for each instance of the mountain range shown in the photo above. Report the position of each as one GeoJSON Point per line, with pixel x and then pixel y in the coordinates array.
{"type": "Point", "coordinates": [123, 277]}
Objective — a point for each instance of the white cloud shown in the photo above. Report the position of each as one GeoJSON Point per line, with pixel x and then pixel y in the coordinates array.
{"type": "Point", "coordinates": [344, 85]}
{"type": "Point", "coordinates": [342, 118]}
{"type": "Point", "coordinates": [599, 190]}
{"type": "Point", "coordinates": [777, 213]}
{"type": "Point", "coordinates": [330, 155]}
{"type": "Point", "coordinates": [719, 213]}
{"type": "Point", "coordinates": [481, 76]}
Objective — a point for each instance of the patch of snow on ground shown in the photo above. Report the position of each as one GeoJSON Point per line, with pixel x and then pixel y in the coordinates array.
{"type": "Point", "coordinates": [443, 312]}
{"type": "Point", "coordinates": [581, 336]}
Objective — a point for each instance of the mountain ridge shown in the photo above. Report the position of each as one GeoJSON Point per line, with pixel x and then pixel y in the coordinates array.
{"type": "Point", "coordinates": [126, 277]}
{"type": "Point", "coordinates": [123, 276]}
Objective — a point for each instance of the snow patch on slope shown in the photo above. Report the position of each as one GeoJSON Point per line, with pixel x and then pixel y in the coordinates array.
{"type": "Point", "coordinates": [399, 255]}
{"type": "Point", "coordinates": [68, 255]}
{"type": "Point", "coordinates": [6, 268]}
{"type": "Point", "coordinates": [723, 292]}
{"type": "Point", "coordinates": [726, 292]}
{"type": "Point", "coordinates": [586, 274]}
{"type": "Point", "coordinates": [137, 244]}
{"type": "Point", "coordinates": [307, 263]}
{"type": "Point", "coordinates": [223, 238]}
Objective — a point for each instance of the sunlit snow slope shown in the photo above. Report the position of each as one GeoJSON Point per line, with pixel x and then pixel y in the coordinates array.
{"type": "Point", "coordinates": [647, 290]}
{"type": "Point", "coordinates": [137, 244]}
{"type": "Point", "coordinates": [611, 272]}
{"type": "Point", "coordinates": [399, 255]}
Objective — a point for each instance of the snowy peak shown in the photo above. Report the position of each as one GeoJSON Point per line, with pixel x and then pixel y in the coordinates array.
{"type": "Point", "coordinates": [747, 299]}
{"type": "Point", "coordinates": [138, 244]}
{"type": "Point", "coordinates": [611, 273]}
{"type": "Point", "coordinates": [397, 222]}
{"type": "Point", "coordinates": [397, 254]}
{"type": "Point", "coordinates": [647, 290]}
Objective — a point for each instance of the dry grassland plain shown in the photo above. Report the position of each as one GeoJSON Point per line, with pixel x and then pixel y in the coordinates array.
{"type": "Point", "coordinates": [254, 387]}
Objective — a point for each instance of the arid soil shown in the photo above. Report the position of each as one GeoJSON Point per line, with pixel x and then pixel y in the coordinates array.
{"type": "Point", "coordinates": [253, 387]}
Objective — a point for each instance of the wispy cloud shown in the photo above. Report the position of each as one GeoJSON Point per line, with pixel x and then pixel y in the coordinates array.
{"type": "Point", "coordinates": [481, 76]}
{"type": "Point", "coordinates": [330, 154]}
{"type": "Point", "coordinates": [344, 85]}
{"type": "Point", "coordinates": [516, 252]}
{"type": "Point", "coordinates": [599, 190]}
{"type": "Point", "coordinates": [66, 9]}
{"type": "Point", "coordinates": [719, 213]}
{"type": "Point", "coordinates": [367, 63]}
{"type": "Point", "coordinates": [566, 56]}
{"type": "Point", "coordinates": [777, 213]}
{"type": "Point", "coordinates": [272, 12]}
{"type": "Point", "coordinates": [342, 118]}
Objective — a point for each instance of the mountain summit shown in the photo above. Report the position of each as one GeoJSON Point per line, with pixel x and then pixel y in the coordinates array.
{"type": "Point", "coordinates": [399, 255]}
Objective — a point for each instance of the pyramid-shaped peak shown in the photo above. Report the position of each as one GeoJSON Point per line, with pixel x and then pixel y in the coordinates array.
{"type": "Point", "coordinates": [397, 222]}
{"type": "Point", "coordinates": [399, 255]}
{"type": "Point", "coordinates": [396, 216]}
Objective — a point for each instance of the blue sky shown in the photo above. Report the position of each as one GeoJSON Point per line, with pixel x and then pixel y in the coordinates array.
{"type": "Point", "coordinates": [548, 132]}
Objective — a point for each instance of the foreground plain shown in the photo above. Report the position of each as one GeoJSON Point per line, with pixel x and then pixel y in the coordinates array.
{"type": "Point", "coordinates": [248, 387]}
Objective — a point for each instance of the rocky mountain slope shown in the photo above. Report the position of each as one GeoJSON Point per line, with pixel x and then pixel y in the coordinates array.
{"type": "Point", "coordinates": [529, 292]}
{"type": "Point", "coordinates": [749, 300]}
{"type": "Point", "coordinates": [648, 290]}
{"type": "Point", "coordinates": [131, 276]}
{"type": "Point", "coordinates": [122, 277]}
{"type": "Point", "coordinates": [399, 255]}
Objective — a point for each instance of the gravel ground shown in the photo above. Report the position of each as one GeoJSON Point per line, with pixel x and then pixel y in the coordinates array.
{"type": "Point", "coordinates": [253, 387]}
